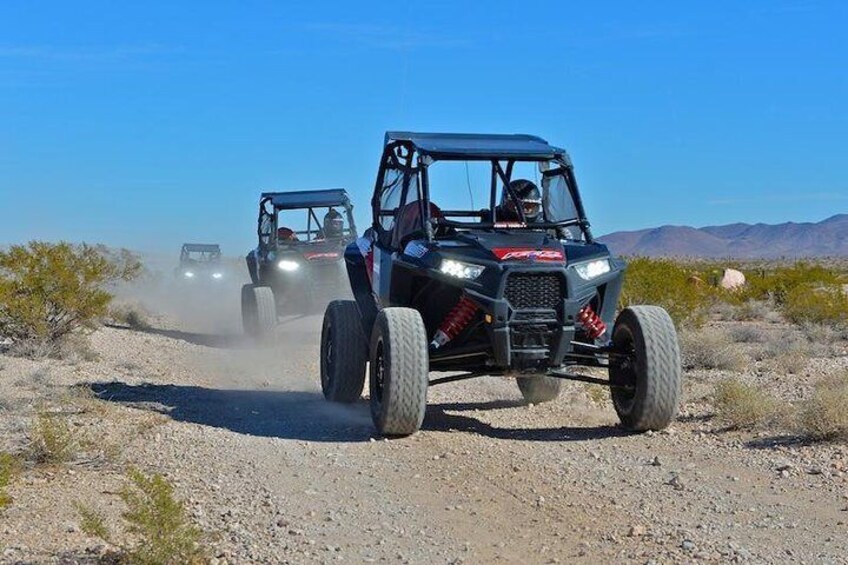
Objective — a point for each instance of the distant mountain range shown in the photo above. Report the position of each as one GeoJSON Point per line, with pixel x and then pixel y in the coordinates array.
{"type": "Point", "coordinates": [828, 238]}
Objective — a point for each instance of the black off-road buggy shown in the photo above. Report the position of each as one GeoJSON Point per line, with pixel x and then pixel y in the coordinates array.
{"type": "Point", "coordinates": [199, 262]}
{"type": "Point", "coordinates": [473, 292]}
{"type": "Point", "coordinates": [298, 262]}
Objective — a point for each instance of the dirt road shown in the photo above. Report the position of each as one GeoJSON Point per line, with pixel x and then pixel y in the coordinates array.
{"type": "Point", "coordinates": [275, 474]}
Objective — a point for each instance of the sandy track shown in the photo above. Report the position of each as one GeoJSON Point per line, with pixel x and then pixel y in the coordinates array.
{"type": "Point", "coordinates": [277, 474]}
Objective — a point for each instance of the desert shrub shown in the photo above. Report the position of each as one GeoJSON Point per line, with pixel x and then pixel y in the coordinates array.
{"type": "Point", "coordinates": [742, 405]}
{"type": "Point", "coordinates": [821, 333]}
{"type": "Point", "coordinates": [787, 357]}
{"type": "Point", "coordinates": [52, 440]}
{"type": "Point", "coordinates": [129, 315]}
{"type": "Point", "coordinates": [756, 311]}
{"type": "Point", "coordinates": [9, 467]}
{"type": "Point", "coordinates": [722, 310]}
{"type": "Point", "coordinates": [710, 348]}
{"type": "Point", "coordinates": [748, 334]}
{"type": "Point", "coordinates": [166, 534]}
{"type": "Point", "coordinates": [32, 349]}
{"type": "Point", "coordinates": [818, 305]}
{"type": "Point", "coordinates": [93, 522]}
{"type": "Point", "coordinates": [48, 290]}
{"type": "Point", "coordinates": [803, 292]}
{"type": "Point", "coordinates": [668, 284]}
{"type": "Point", "coordinates": [74, 348]}
{"type": "Point", "coordinates": [777, 283]}
{"type": "Point", "coordinates": [825, 415]}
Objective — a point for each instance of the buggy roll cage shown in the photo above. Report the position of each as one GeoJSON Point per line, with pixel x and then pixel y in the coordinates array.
{"type": "Point", "coordinates": [209, 251]}
{"type": "Point", "coordinates": [412, 153]}
{"type": "Point", "coordinates": [271, 203]}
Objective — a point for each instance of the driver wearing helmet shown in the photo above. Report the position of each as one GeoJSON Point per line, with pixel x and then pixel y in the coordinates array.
{"type": "Point", "coordinates": [333, 225]}
{"type": "Point", "coordinates": [286, 234]}
{"type": "Point", "coordinates": [529, 198]}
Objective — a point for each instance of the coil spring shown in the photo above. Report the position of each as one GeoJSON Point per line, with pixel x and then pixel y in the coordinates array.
{"type": "Point", "coordinates": [592, 323]}
{"type": "Point", "coordinates": [458, 317]}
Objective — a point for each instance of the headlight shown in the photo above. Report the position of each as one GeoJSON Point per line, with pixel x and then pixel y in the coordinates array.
{"type": "Point", "coordinates": [460, 270]}
{"type": "Point", "coordinates": [287, 265]}
{"type": "Point", "coordinates": [591, 269]}
{"type": "Point", "coordinates": [217, 275]}
{"type": "Point", "coordinates": [188, 274]}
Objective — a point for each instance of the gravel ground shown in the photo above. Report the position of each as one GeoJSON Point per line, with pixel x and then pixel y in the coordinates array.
{"type": "Point", "coordinates": [274, 474]}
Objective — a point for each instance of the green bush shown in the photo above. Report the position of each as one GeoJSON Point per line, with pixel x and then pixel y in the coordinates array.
{"type": "Point", "coordinates": [818, 305]}
{"type": "Point", "coordinates": [669, 284]}
{"type": "Point", "coordinates": [779, 282]}
{"type": "Point", "coordinates": [48, 290]}
{"type": "Point", "coordinates": [710, 349]}
{"type": "Point", "coordinates": [93, 522]}
{"type": "Point", "coordinates": [9, 467]}
{"type": "Point", "coordinates": [166, 535]}
{"type": "Point", "coordinates": [801, 293]}
{"type": "Point", "coordinates": [741, 405]}
{"type": "Point", "coordinates": [52, 440]}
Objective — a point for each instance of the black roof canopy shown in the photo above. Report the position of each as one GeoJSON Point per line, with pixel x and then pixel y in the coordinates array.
{"type": "Point", "coordinates": [479, 146]}
{"type": "Point", "coordinates": [202, 247]}
{"type": "Point", "coordinates": [308, 198]}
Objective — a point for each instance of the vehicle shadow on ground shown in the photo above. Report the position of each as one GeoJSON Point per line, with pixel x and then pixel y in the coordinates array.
{"type": "Point", "coordinates": [217, 341]}
{"type": "Point", "coordinates": [443, 418]}
{"type": "Point", "coordinates": [281, 414]}
{"type": "Point", "coordinates": [778, 441]}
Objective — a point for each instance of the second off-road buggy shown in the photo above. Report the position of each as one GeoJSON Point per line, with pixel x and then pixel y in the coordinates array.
{"type": "Point", "coordinates": [299, 260]}
{"type": "Point", "coordinates": [199, 262]}
{"type": "Point", "coordinates": [492, 291]}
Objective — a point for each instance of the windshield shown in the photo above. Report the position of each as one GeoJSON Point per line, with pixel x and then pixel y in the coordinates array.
{"type": "Point", "coordinates": [205, 256]}
{"type": "Point", "coordinates": [522, 192]}
{"type": "Point", "coordinates": [313, 224]}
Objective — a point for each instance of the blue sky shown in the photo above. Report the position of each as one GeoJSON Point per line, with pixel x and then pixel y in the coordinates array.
{"type": "Point", "coordinates": [148, 124]}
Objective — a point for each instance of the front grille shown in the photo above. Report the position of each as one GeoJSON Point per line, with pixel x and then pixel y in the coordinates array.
{"type": "Point", "coordinates": [526, 291]}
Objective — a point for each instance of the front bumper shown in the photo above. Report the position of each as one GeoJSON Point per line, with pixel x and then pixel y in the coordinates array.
{"type": "Point", "coordinates": [531, 339]}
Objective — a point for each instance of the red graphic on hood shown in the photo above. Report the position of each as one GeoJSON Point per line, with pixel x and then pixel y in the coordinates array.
{"type": "Point", "coordinates": [528, 254]}
{"type": "Point", "coordinates": [321, 255]}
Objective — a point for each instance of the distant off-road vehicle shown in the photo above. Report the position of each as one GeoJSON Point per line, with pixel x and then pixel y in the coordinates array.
{"type": "Point", "coordinates": [200, 262]}
{"type": "Point", "coordinates": [517, 288]}
{"type": "Point", "coordinates": [299, 259]}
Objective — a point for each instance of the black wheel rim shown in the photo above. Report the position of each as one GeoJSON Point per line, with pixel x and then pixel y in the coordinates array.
{"type": "Point", "coordinates": [623, 370]}
{"type": "Point", "coordinates": [379, 373]}
{"type": "Point", "coordinates": [328, 359]}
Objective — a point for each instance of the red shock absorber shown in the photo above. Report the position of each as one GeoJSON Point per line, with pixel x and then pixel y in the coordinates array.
{"type": "Point", "coordinates": [592, 323]}
{"type": "Point", "coordinates": [454, 322]}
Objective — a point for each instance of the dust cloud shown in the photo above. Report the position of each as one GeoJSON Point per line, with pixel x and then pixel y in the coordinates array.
{"type": "Point", "coordinates": [204, 320]}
